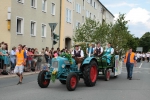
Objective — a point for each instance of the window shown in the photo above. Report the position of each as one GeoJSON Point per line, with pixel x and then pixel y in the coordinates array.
{"type": "Point", "coordinates": [20, 1]}
{"type": "Point", "coordinates": [82, 19]}
{"type": "Point", "coordinates": [19, 22]}
{"type": "Point", "coordinates": [83, 4]}
{"type": "Point", "coordinates": [33, 3]}
{"type": "Point", "coordinates": [77, 24]}
{"type": "Point", "coordinates": [78, 8]}
{"type": "Point", "coordinates": [44, 5]}
{"type": "Point", "coordinates": [87, 14]}
{"type": "Point", "coordinates": [95, 5]}
{"type": "Point", "coordinates": [69, 0]}
{"type": "Point", "coordinates": [90, 15]}
{"type": "Point", "coordinates": [68, 15]}
{"type": "Point", "coordinates": [88, 1]}
{"type": "Point", "coordinates": [94, 17]}
{"type": "Point", "coordinates": [33, 28]}
{"type": "Point", "coordinates": [43, 30]}
{"type": "Point", "coordinates": [91, 2]}
{"type": "Point", "coordinates": [53, 9]}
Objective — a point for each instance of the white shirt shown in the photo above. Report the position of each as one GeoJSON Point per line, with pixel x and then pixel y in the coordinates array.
{"type": "Point", "coordinates": [147, 55]}
{"type": "Point", "coordinates": [98, 48]}
{"type": "Point", "coordinates": [81, 53]}
{"type": "Point", "coordinates": [138, 55]}
{"type": "Point", "coordinates": [112, 51]}
{"type": "Point", "coordinates": [143, 55]}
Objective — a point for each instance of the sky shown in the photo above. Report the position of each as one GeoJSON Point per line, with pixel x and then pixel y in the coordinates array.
{"type": "Point", "coordinates": [137, 12]}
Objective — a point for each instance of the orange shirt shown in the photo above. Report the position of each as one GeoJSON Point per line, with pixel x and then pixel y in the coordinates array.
{"type": "Point", "coordinates": [20, 58]}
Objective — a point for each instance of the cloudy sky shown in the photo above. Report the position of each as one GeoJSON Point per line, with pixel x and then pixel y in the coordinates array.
{"type": "Point", "coordinates": [137, 11]}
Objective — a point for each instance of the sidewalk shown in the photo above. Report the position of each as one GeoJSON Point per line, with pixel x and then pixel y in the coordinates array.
{"type": "Point", "coordinates": [14, 75]}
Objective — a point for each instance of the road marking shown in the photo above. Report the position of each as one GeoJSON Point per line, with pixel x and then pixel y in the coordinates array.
{"type": "Point", "coordinates": [140, 65]}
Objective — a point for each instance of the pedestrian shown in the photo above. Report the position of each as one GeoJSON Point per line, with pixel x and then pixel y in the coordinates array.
{"type": "Point", "coordinates": [20, 63]}
{"type": "Point", "coordinates": [130, 62]}
{"type": "Point", "coordinates": [13, 58]}
{"type": "Point", "coordinates": [147, 55]}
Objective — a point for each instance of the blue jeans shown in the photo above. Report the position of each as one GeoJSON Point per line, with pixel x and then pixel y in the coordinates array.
{"type": "Point", "coordinates": [129, 67]}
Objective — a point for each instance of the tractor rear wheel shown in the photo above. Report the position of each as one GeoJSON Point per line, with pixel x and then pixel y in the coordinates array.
{"type": "Point", "coordinates": [72, 81]}
{"type": "Point", "coordinates": [90, 73]}
{"type": "Point", "coordinates": [107, 75]}
{"type": "Point", "coordinates": [62, 81]}
{"type": "Point", "coordinates": [43, 83]}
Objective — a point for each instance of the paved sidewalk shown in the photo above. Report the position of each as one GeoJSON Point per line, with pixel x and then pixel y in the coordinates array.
{"type": "Point", "coordinates": [14, 75]}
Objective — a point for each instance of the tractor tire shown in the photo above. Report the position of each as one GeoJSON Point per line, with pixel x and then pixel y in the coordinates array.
{"type": "Point", "coordinates": [90, 74]}
{"type": "Point", "coordinates": [72, 81]}
{"type": "Point", "coordinates": [62, 81]}
{"type": "Point", "coordinates": [107, 75]}
{"type": "Point", "coordinates": [43, 83]}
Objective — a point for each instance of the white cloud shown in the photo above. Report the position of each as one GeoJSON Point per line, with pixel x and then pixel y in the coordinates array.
{"type": "Point", "coordinates": [121, 4]}
{"type": "Point", "coordinates": [139, 15]}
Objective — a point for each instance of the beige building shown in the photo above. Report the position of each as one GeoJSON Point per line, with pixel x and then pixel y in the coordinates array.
{"type": "Point", "coordinates": [27, 22]}
{"type": "Point", "coordinates": [75, 12]}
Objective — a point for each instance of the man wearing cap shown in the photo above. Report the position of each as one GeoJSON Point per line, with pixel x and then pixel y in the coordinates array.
{"type": "Point", "coordinates": [78, 54]}
{"type": "Point", "coordinates": [130, 62]}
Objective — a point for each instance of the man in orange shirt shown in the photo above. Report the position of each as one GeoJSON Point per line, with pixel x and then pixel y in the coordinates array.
{"type": "Point", "coordinates": [130, 61]}
{"type": "Point", "coordinates": [20, 63]}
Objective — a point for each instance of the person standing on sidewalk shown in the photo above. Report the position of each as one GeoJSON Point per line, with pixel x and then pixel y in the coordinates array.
{"type": "Point", "coordinates": [20, 63]}
{"type": "Point", "coordinates": [130, 62]}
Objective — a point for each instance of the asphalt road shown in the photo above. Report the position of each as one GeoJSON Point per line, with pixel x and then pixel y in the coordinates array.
{"type": "Point", "coordinates": [116, 89]}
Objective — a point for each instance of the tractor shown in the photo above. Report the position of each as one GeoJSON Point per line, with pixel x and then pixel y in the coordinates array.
{"type": "Point", "coordinates": [66, 71]}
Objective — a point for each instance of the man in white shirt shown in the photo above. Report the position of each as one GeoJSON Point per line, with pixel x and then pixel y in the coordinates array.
{"type": "Point", "coordinates": [78, 54]}
{"type": "Point", "coordinates": [98, 50]}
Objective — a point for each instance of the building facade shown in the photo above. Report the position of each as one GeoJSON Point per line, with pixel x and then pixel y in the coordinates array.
{"type": "Point", "coordinates": [27, 21]}
{"type": "Point", "coordinates": [75, 12]}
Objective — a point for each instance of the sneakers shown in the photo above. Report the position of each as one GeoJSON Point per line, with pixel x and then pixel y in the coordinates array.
{"type": "Point", "coordinates": [19, 83]}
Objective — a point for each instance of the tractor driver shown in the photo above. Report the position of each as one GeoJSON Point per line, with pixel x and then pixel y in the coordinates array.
{"type": "Point", "coordinates": [78, 54]}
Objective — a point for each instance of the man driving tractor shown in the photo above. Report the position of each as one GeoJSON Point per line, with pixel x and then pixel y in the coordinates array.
{"type": "Point", "coordinates": [78, 54]}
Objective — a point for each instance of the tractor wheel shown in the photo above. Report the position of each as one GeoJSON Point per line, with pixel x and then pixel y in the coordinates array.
{"type": "Point", "coordinates": [90, 73]}
{"type": "Point", "coordinates": [72, 81]}
{"type": "Point", "coordinates": [63, 81]}
{"type": "Point", "coordinates": [43, 83]}
{"type": "Point", "coordinates": [107, 75]}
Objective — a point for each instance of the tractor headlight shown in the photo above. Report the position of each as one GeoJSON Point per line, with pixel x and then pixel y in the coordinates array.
{"type": "Point", "coordinates": [66, 62]}
{"type": "Point", "coordinates": [63, 66]}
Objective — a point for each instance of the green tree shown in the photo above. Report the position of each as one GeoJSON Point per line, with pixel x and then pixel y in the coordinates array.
{"type": "Point", "coordinates": [145, 42]}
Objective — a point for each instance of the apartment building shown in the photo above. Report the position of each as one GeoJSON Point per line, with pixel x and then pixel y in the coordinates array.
{"type": "Point", "coordinates": [27, 22]}
{"type": "Point", "coordinates": [74, 14]}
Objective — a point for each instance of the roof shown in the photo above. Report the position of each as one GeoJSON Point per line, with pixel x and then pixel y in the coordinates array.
{"type": "Point", "coordinates": [105, 8]}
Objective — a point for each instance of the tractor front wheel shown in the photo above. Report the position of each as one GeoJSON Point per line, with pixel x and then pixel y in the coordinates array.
{"type": "Point", "coordinates": [43, 83]}
{"type": "Point", "coordinates": [72, 81]}
{"type": "Point", "coordinates": [90, 73]}
{"type": "Point", "coordinates": [107, 75]}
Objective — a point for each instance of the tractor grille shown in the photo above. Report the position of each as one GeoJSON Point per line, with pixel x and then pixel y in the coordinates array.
{"type": "Point", "coordinates": [55, 64]}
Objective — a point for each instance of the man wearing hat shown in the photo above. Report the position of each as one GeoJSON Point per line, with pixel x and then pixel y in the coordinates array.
{"type": "Point", "coordinates": [78, 54]}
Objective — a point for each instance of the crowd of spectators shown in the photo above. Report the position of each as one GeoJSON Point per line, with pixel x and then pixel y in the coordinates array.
{"type": "Point", "coordinates": [35, 58]}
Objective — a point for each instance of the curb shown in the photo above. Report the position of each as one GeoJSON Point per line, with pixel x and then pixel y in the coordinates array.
{"type": "Point", "coordinates": [14, 75]}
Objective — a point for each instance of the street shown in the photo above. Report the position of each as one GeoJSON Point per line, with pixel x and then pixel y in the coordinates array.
{"type": "Point", "coordinates": [119, 88]}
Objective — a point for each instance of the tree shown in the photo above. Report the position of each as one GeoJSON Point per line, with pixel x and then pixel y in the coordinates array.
{"type": "Point", "coordinates": [145, 42]}
{"type": "Point", "coordinates": [117, 33]}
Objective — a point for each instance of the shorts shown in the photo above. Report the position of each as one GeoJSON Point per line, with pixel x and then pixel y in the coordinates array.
{"type": "Point", "coordinates": [19, 69]}
{"type": "Point", "coordinates": [35, 60]}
